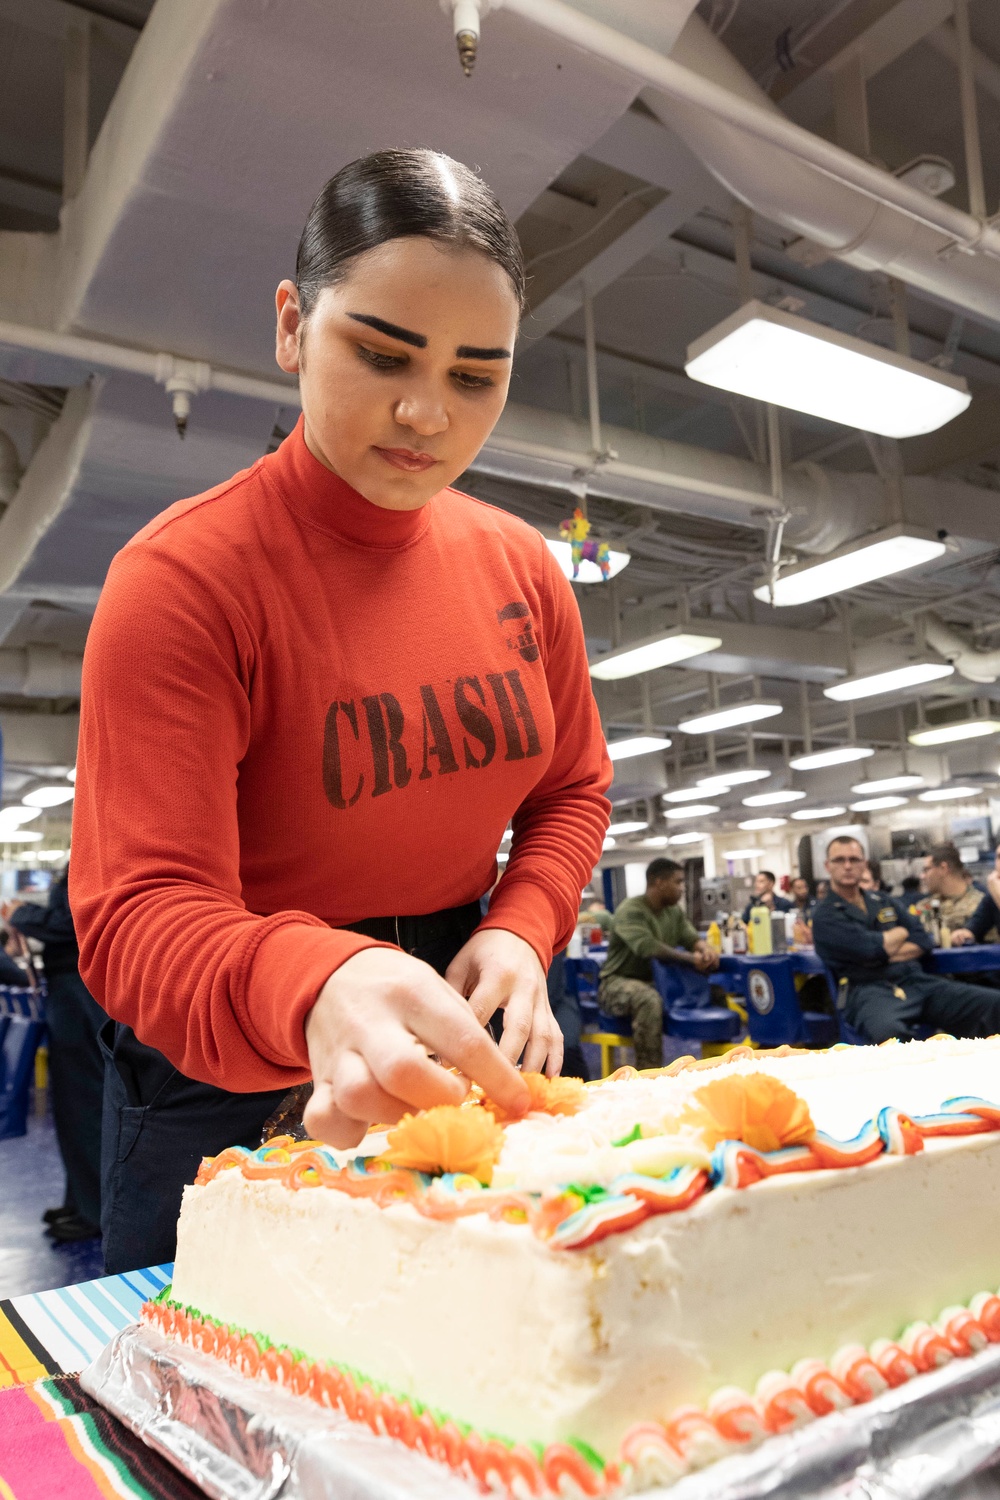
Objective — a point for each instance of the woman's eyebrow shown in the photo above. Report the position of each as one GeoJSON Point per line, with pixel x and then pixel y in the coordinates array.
{"type": "Point", "coordinates": [405, 335]}
{"type": "Point", "coordinates": [469, 351]}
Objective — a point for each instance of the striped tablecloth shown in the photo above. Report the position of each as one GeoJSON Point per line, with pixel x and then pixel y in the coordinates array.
{"type": "Point", "coordinates": [55, 1442]}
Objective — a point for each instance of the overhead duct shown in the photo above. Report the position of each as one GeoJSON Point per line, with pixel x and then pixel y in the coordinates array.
{"type": "Point", "coordinates": [976, 666]}
{"type": "Point", "coordinates": [828, 507]}
{"type": "Point", "coordinates": [40, 672]}
{"type": "Point", "coordinates": [780, 187]}
{"type": "Point", "coordinates": [859, 212]}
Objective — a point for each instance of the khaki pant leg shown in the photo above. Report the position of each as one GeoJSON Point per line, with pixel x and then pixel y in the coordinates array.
{"type": "Point", "coordinates": [643, 1004]}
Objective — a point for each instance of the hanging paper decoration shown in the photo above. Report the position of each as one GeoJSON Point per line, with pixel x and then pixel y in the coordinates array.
{"type": "Point", "coordinates": [583, 547]}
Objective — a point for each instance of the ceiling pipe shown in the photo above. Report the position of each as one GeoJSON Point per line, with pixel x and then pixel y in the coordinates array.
{"type": "Point", "coordinates": [40, 672]}
{"type": "Point", "coordinates": [857, 211]}
{"type": "Point", "coordinates": [688, 85]}
{"type": "Point", "coordinates": [975, 666]}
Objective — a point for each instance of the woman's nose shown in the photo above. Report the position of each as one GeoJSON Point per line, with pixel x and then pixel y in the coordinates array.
{"type": "Point", "coordinates": [422, 413]}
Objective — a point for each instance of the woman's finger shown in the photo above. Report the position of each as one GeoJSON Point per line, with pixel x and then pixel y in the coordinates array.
{"type": "Point", "coordinates": [554, 1062]}
{"type": "Point", "coordinates": [447, 1026]}
{"type": "Point", "coordinates": [323, 1121]}
{"type": "Point", "coordinates": [402, 1068]}
{"type": "Point", "coordinates": [358, 1093]}
{"type": "Point", "coordinates": [517, 1017]}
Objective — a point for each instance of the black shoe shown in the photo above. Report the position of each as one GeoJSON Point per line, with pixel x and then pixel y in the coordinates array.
{"type": "Point", "coordinates": [51, 1215]}
{"type": "Point", "coordinates": [67, 1231]}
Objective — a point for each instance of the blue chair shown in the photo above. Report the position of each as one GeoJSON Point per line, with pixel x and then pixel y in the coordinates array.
{"type": "Point", "coordinates": [608, 1033]}
{"type": "Point", "coordinates": [19, 1039]}
{"type": "Point", "coordinates": [775, 1017]}
{"type": "Point", "coordinates": [687, 1011]}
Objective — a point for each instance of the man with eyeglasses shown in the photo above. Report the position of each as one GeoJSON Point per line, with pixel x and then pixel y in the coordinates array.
{"type": "Point", "coordinates": [874, 946]}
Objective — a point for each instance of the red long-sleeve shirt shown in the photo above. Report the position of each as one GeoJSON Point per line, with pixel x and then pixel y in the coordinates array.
{"type": "Point", "coordinates": [300, 710]}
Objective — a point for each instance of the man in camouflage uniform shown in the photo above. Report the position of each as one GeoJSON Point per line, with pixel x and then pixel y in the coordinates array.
{"type": "Point", "coordinates": [946, 880]}
{"type": "Point", "coordinates": [643, 928]}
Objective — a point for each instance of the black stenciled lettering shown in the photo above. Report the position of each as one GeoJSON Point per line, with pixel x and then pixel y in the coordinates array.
{"type": "Point", "coordinates": [332, 766]}
{"type": "Point", "coordinates": [475, 721]}
{"type": "Point", "coordinates": [507, 720]}
{"type": "Point", "coordinates": [533, 745]}
{"type": "Point", "coordinates": [436, 738]}
{"type": "Point", "coordinates": [386, 735]}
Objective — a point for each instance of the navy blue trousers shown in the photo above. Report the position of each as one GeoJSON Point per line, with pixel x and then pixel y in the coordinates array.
{"type": "Point", "coordinates": [76, 1075]}
{"type": "Point", "coordinates": [158, 1125]}
{"type": "Point", "coordinates": [935, 1000]}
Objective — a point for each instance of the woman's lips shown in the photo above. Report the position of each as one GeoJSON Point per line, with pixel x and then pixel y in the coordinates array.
{"type": "Point", "coordinates": [406, 459]}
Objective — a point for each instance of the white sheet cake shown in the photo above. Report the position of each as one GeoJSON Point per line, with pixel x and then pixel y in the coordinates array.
{"type": "Point", "coordinates": [688, 1262]}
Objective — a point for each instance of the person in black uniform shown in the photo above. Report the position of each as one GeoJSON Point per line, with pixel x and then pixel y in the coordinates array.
{"type": "Point", "coordinates": [764, 894]}
{"type": "Point", "coordinates": [875, 945]}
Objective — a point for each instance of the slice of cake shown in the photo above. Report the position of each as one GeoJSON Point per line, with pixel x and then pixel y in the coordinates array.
{"type": "Point", "coordinates": [638, 1277]}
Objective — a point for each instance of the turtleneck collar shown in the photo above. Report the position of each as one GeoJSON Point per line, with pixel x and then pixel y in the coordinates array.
{"type": "Point", "coordinates": [323, 500]}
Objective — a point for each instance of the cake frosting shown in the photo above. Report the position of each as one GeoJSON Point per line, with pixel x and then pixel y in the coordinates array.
{"type": "Point", "coordinates": [623, 1280]}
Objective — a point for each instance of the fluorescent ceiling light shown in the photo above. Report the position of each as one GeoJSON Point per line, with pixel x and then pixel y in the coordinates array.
{"type": "Point", "coordinates": [724, 783]}
{"type": "Point", "coordinates": [771, 799]}
{"type": "Point", "coordinates": [687, 838]}
{"type": "Point", "coordinates": [889, 784]}
{"type": "Point", "coordinates": [71, 776]}
{"type": "Point", "coordinates": [878, 555]}
{"type": "Point", "coordinates": [13, 817]}
{"type": "Point", "coordinates": [502, 857]}
{"type": "Point", "coordinates": [639, 744]}
{"type": "Point", "coordinates": [889, 682]}
{"type": "Point", "coordinates": [48, 796]}
{"type": "Point", "coordinates": [697, 810]}
{"type": "Point", "coordinates": [656, 651]}
{"type": "Point", "coordinates": [838, 756]}
{"type": "Point", "coordinates": [741, 853]}
{"type": "Point", "coordinates": [690, 793]}
{"type": "Point", "coordinates": [619, 828]}
{"type": "Point", "coordinates": [804, 813]}
{"type": "Point", "coordinates": [609, 842]}
{"type": "Point", "coordinates": [51, 853]}
{"type": "Point", "coordinates": [589, 571]}
{"type": "Point", "coordinates": [659, 841]}
{"type": "Point", "coordinates": [726, 718]}
{"type": "Point", "coordinates": [946, 793]}
{"type": "Point", "coordinates": [877, 804]}
{"type": "Point", "coordinates": [771, 355]}
{"type": "Point", "coordinates": [762, 823]}
{"type": "Point", "coordinates": [946, 734]}
{"type": "Point", "coordinates": [19, 836]}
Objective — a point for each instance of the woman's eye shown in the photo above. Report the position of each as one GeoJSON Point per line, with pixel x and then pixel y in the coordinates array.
{"type": "Point", "coordinates": [472, 382]}
{"type": "Point", "coordinates": [380, 361]}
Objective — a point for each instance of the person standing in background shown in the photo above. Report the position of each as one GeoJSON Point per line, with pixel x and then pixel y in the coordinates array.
{"type": "Point", "coordinates": [76, 1066]}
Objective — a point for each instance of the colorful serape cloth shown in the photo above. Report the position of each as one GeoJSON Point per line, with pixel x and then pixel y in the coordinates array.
{"type": "Point", "coordinates": [55, 1442]}
{"type": "Point", "coordinates": [58, 1444]}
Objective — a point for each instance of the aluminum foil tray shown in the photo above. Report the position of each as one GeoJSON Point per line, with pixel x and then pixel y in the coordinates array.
{"type": "Point", "coordinates": [933, 1439]}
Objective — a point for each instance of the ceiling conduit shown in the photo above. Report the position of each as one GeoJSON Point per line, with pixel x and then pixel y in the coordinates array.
{"type": "Point", "coordinates": [859, 212]}
{"type": "Point", "coordinates": [975, 666]}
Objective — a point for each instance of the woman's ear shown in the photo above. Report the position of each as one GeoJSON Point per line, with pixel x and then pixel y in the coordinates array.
{"type": "Point", "coordinates": [286, 302]}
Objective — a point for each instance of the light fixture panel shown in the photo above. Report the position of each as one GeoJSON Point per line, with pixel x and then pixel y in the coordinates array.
{"type": "Point", "coordinates": [864, 560]}
{"type": "Point", "coordinates": [771, 355]}
{"type": "Point", "coordinates": [727, 718]}
{"type": "Point", "coordinates": [949, 793]}
{"type": "Point", "coordinates": [949, 734]}
{"type": "Point", "coordinates": [725, 783]}
{"type": "Point", "coordinates": [639, 744]}
{"type": "Point", "coordinates": [878, 804]}
{"type": "Point", "coordinates": [652, 653]}
{"type": "Point", "coordinates": [751, 823]}
{"type": "Point", "coordinates": [697, 810]}
{"type": "Point", "coordinates": [840, 755]}
{"type": "Point", "coordinates": [888, 784]}
{"type": "Point", "coordinates": [772, 799]}
{"type": "Point", "coordinates": [803, 814]}
{"type": "Point", "coordinates": [891, 681]}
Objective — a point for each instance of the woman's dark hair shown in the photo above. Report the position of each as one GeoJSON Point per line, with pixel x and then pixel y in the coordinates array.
{"type": "Point", "coordinates": [390, 195]}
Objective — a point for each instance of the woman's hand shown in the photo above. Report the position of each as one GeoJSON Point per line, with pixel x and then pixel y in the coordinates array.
{"type": "Point", "coordinates": [370, 1035]}
{"type": "Point", "coordinates": [498, 971]}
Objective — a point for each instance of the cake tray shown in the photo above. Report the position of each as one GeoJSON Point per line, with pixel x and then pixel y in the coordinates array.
{"type": "Point", "coordinates": [932, 1439]}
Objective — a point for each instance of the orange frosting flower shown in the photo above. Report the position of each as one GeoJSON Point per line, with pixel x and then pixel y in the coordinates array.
{"type": "Point", "coordinates": [550, 1096]}
{"type": "Point", "coordinates": [751, 1107]}
{"type": "Point", "coordinates": [446, 1138]}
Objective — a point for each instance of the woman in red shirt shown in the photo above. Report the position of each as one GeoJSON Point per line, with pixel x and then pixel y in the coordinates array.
{"type": "Point", "coordinates": [313, 699]}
